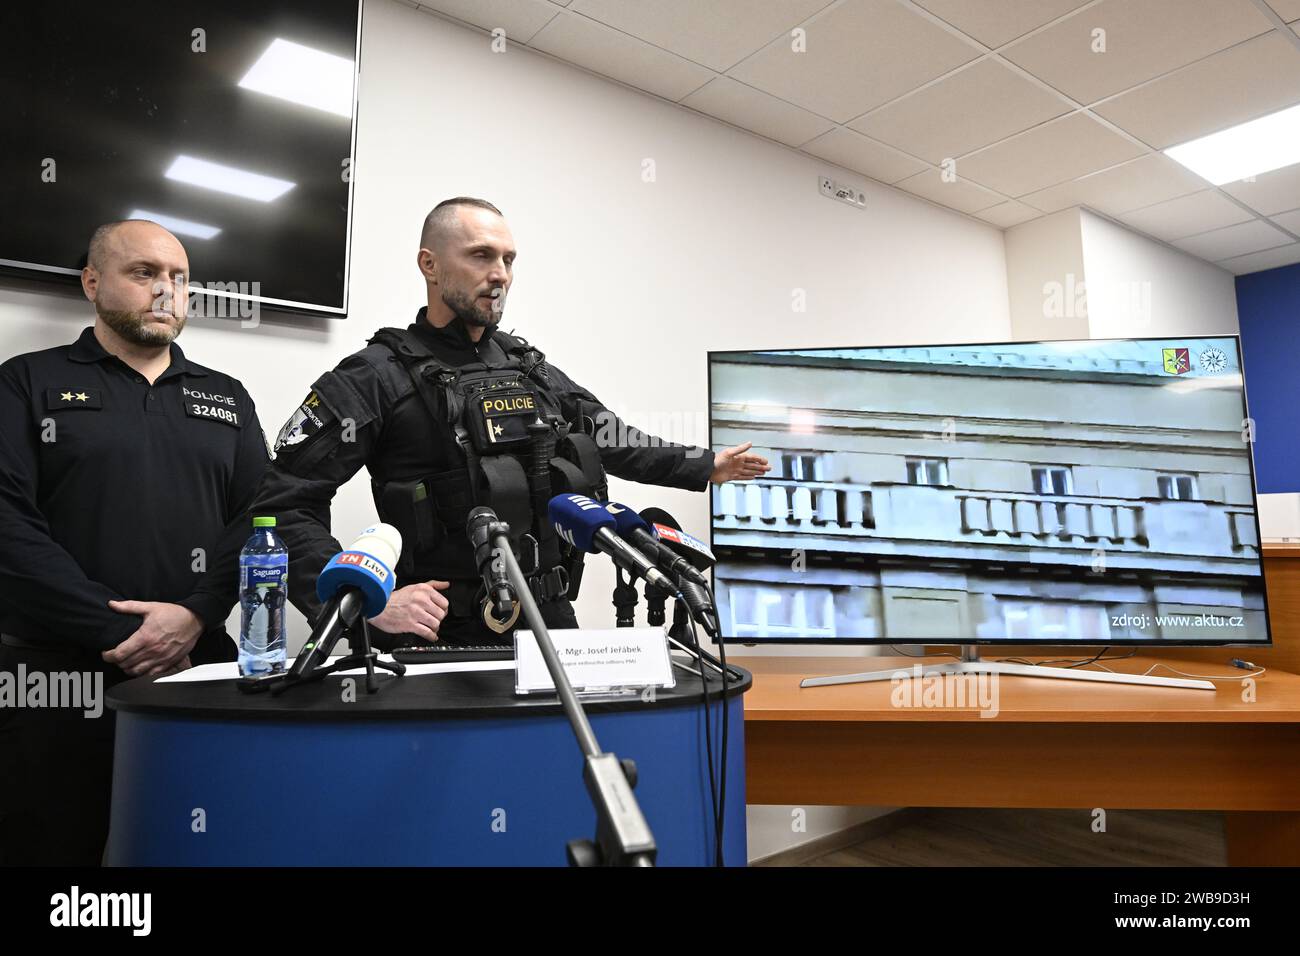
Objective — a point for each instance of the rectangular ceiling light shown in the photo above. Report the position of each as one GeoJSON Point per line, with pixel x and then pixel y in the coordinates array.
{"type": "Point", "coordinates": [304, 76]}
{"type": "Point", "coordinates": [227, 179]}
{"type": "Point", "coordinates": [1249, 149]}
{"type": "Point", "coordinates": [181, 227]}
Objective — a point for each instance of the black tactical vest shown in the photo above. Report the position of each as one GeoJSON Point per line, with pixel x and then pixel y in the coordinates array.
{"type": "Point", "coordinates": [509, 446]}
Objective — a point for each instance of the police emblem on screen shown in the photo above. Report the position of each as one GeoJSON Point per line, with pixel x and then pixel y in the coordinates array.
{"type": "Point", "coordinates": [1213, 360]}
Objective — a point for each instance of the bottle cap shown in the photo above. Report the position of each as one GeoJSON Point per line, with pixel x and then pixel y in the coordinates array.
{"type": "Point", "coordinates": [263, 522]}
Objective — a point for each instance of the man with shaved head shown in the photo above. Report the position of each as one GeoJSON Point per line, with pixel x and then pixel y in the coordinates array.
{"type": "Point", "coordinates": [450, 414]}
{"type": "Point", "coordinates": [128, 473]}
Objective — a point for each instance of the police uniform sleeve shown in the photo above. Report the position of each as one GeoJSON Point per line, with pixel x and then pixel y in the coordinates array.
{"type": "Point", "coordinates": [628, 452]}
{"type": "Point", "coordinates": [39, 579]}
{"type": "Point", "coordinates": [326, 441]}
{"type": "Point", "coordinates": [217, 591]}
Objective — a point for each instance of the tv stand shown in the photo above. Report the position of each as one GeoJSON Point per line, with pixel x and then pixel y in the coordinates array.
{"type": "Point", "coordinates": [971, 663]}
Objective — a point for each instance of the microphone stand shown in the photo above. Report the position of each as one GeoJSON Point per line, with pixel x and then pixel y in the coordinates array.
{"type": "Point", "coordinates": [681, 636]}
{"type": "Point", "coordinates": [623, 837]}
{"type": "Point", "coordinates": [625, 598]}
{"type": "Point", "coordinates": [356, 630]}
{"type": "Point", "coordinates": [655, 598]}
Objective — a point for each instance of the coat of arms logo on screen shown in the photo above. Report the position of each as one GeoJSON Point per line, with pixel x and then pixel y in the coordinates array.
{"type": "Point", "coordinates": [1177, 361]}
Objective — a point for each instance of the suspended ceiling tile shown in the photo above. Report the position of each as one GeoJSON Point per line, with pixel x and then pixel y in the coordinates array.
{"type": "Point", "coordinates": [1142, 40]}
{"type": "Point", "coordinates": [1253, 236]}
{"type": "Point", "coordinates": [854, 151]}
{"type": "Point", "coordinates": [1257, 77]}
{"type": "Point", "coordinates": [1057, 151]}
{"type": "Point", "coordinates": [1187, 215]}
{"type": "Point", "coordinates": [995, 22]}
{"type": "Point", "coordinates": [718, 34]}
{"type": "Point", "coordinates": [1275, 191]}
{"type": "Point", "coordinates": [1259, 261]}
{"type": "Point", "coordinates": [1148, 179]}
{"type": "Point", "coordinates": [521, 19]}
{"type": "Point", "coordinates": [754, 110]}
{"type": "Point", "coordinates": [978, 105]}
{"type": "Point", "coordinates": [1290, 221]}
{"type": "Point", "coordinates": [959, 194]}
{"type": "Point", "coordinates": [1288, 10]}
{"type": "Point", "coordinates": [607, 51]}
{"type": "Point", "coordinates": [1009, 213]}
{"type": "Point", "coordinates": [858, 55]}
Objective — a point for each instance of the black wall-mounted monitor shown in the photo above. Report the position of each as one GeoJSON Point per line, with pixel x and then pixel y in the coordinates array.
{"type": "Point", "coordinates": [231, 123]}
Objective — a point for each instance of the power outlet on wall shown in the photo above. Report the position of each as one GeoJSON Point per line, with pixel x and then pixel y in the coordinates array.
{"type": "Point", "coordinates": [843, 192]}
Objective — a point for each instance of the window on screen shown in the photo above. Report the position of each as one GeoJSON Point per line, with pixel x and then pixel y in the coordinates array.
{"type": "Point", "coordinates": [1177, 487]}
{"type": "Point", "coordinates": [1053, 480]}
{"type": "Point", "coordinates": [927, 471]}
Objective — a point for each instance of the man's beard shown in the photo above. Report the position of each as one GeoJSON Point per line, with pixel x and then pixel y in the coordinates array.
{"type": "Point", "coordinates": [135, 328]}
{"type": "Point", "coordinates": [467, 310]}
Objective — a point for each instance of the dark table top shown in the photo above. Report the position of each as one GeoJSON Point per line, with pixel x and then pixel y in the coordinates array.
{"type": "Point", "coordinates": [460, 694]}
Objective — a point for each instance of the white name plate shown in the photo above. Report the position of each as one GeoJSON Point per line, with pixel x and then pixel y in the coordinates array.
{"type": "Point", "coordinates": [596, 661]}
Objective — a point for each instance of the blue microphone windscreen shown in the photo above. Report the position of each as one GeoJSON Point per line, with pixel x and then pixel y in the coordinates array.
{"type": "Point", "coordinates": [360, 570]}
{"type": "Point", "coordinates": [577, 519]}
{"type": "Point", "coordinates": [625, 519]}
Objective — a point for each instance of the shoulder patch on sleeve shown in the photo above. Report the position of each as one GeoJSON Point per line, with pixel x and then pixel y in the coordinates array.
{"type": "Point", "coordinates": [308, 419]}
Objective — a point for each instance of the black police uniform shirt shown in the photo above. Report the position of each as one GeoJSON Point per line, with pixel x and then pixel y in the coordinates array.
{"type": "Point", "coordinates": [115, 489]}
{"type": "Point", "coordinates": [366, 412]}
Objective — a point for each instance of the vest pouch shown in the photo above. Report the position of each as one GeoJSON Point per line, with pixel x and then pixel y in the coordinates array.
{"type": "Point", "coordinates": [497, 415]}
{"type": "Point", "coordinates": [408, 506]}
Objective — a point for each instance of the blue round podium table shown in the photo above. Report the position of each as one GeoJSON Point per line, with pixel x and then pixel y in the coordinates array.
{"type": "Point", "coordinates": [448, 769]}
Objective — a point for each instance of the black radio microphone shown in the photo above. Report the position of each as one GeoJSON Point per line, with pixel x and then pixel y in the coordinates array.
{"type": "Point", "coordinates": [501, 593]}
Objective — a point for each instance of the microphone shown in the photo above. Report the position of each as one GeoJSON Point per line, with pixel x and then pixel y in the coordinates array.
{"type": "Point", "coordinates": [669, 533]}
{"type": "Point", "coordinates": [587, 526]}
{"type": "Point", "coordinates": [501, 593]}
{"type": "Point", "coordinates": [688, 548]}
{"type": "Point", "coordinates": [631, 527]}
{"type": "Point", "coordinates": [354, 583]}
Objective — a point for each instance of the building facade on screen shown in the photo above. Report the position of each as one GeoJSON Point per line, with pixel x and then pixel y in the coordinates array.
{"type": "Point", "coordinates": [1070, 491]}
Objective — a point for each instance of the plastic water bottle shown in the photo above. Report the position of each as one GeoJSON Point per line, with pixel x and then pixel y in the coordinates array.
{"type": "Point", "coordinates": [263, 590]}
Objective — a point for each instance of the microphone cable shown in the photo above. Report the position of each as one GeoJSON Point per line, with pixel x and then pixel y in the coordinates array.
{"type": "Point", "coordinates": [726, 707]}
{"type": "Point", "coordinates": [708, 741]}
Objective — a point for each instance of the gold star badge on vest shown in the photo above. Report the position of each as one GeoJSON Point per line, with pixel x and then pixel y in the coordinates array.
{"type": "Point", "coordinates": [57, 399]}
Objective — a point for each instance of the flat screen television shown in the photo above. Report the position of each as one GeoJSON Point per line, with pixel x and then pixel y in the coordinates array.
{"type": "Point", "coordinates": [1093, 492]}
{"type": "Point", "coordinates": [231, 123]}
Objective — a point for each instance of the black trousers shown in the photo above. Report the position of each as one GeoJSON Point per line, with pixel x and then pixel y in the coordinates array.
{"type": "Point", "coordinates": [56, 767]}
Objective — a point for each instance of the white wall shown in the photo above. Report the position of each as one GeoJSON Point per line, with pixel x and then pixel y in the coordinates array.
{"type": "Point", "coordinates": [1074, 274]}
{"type": "Point", "coordinates": [1045, 278]}
{"type": "Point", "coordinates": [624, 283]}
{"type": "Point", "coordinates": [1140, 287]}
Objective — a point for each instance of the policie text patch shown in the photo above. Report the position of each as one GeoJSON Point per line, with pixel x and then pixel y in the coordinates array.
{"type": "Point", "coordinates": [499, 418]}
{"type": "Point", "coordinates": [212, 406]}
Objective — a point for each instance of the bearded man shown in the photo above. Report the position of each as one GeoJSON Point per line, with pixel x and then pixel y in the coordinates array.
{"type": "Point", "coordinates": [126, 474]}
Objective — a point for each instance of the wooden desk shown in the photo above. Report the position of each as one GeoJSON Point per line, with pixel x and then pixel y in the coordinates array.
{"type": "Point", "coordinates": [1052, 744]}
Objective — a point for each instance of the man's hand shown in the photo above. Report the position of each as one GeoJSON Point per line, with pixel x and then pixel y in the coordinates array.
{"type": "Point", "coordinates": [163, 670]}
{"type": "Point", "coordinates": [164, 639]}
{"type": "Point", "coordinates": [415, 609]}
{"type": "Point", "coordinates": [733, 464]}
